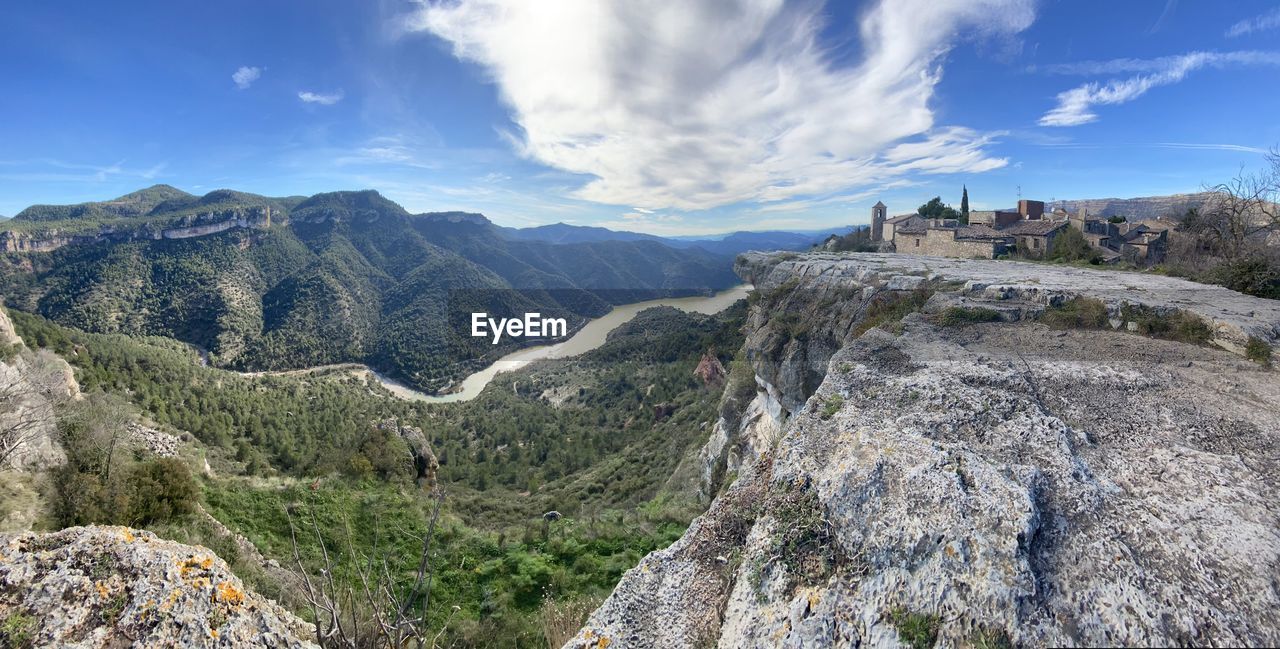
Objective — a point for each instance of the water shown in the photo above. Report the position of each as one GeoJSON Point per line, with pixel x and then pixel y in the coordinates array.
{"type": "Point", "coordinates": [589, 337]}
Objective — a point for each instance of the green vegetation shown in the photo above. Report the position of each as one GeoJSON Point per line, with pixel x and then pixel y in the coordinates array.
{"type": "Point", "coordinates": [584, 437]}
{"type": "Point", "coordinates": [1256, 275]}
{"type": "Point", "coordinates": [17, 631]}
{"type": "Point", "coordinates": [1177, 325]}
{"type": "Point", "coordinates": [888, 310]}
{"type": "Point", "coordinates": [803, 547]}
{"type": "Point", "coordinates": [987, 638]}
{"type": "Point", "coordinates": [957, 316]}
{"type": "Point", "coordinates": [934, 209]}
{"type": "Point", "coordinates": [1077, 313]}
{"type": "Point", "coordinates": [1071, 246]}
{"type": "Point", "coordinates": [1258, 351]}
{"type": "Point", "coordinates": [340, 277]}
{"type": "Point", "coordinates": [832, 405]}
{"type": "Point", "coordinates": [916, 630]}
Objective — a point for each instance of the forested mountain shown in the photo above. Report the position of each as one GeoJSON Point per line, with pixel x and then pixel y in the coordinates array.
{"type": "Point", "coordinates": [278, 283]}
{"type": "Point", "coordinates": [728, 245]}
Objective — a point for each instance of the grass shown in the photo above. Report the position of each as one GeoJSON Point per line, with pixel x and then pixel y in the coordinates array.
{"type": "Point", "coordinates": [18, 631]}
{"type": "Point", "coordinates": [991, 639]}
{"type": "Point", "coordinates": [1077, 313]}
{"type": "Point", "coordinates": [887, 311]}
{"type": "Point", "coordinates": [1178, 325]}
{"type": "Point", "coordinates": [833, 405]}
{"type": "Point", "coordinates": [916, 630]}
{"type": "Point", "coordinates": [958, 316]}
{"type": "Point", "coordinates": [1258, 351]}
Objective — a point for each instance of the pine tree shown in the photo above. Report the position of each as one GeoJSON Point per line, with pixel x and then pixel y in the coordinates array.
{"type": "Point", "coordinates": [964, 204]}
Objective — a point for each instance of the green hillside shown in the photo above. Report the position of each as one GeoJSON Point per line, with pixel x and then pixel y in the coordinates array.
{"type": "Point", "coordinates": [337, 277]}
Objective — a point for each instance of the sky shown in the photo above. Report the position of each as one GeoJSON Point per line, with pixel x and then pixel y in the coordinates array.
{"type": "Point", "coordinates": [672, 117]}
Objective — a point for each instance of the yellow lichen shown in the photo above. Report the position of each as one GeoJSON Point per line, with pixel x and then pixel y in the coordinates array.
{"type": "Point", "coordinates": [127, 535]}
{"type": "Point", "coordinates": [602, 642]}
{"type": "Point", "coordinates": [228, 593]}
{"type": "Point", "coordinates": [103, 591]}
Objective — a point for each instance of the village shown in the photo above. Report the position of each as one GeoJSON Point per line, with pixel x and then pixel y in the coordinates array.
{"type": "Point", "coordinates": [1027, 231]}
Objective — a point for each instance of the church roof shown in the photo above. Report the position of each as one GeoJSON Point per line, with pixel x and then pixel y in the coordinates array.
{"type": "Point", "coordinates": [878, 204]}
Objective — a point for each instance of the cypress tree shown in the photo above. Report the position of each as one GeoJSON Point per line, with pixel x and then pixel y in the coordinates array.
{"type": "Point", "coordinates": [964, 204]}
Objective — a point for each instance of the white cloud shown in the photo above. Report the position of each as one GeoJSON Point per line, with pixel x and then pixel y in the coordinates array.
{"type": "Point", "coordinates": [320, 98]}
{"type": "Point", "coordinates": [1263, 22]}
{"type": "Point", "coordinates": [672, 104]}
{"type": "Point", "coordinates": [1075, 106]}
{"type": "Point", "coordinates": [245, 76]}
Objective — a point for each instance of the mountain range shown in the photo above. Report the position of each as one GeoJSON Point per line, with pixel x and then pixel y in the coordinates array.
{"type": "Point", "coordinates": [266, 283]}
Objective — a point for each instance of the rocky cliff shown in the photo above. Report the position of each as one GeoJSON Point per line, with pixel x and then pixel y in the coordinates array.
{"type": "Point", "coordinates": [962, 474]}
{"type": "Point", "coordinates": [113, 587]}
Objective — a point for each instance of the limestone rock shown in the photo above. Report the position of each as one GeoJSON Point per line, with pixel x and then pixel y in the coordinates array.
{"type": "Point", "coordinates": [91, 587]}
{"type": "Point", "coordinates": [1018, 484]}
{"type": "Point", "coordinates": [710, 370]}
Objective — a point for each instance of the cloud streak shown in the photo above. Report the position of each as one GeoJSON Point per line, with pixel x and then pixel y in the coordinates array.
{"type": "Point", "coordinates": [1076, 106]}
{"type": "Point", "coordinates": [1263, 22]}
{"type": "Point", "coordinates": [670, 104]}
{"type": "Point", "coordinates": [320, 98]}
{"type": "Point", "coordinates": [245, 76]}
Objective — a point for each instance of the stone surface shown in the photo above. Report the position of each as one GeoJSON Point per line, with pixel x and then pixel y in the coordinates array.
{"type": "Point", "coordinates": [1019, 483]}
{"type": "Point", "coordinates": [1234, 316]}
{"type": "Point", "coordinates": [113, 586]}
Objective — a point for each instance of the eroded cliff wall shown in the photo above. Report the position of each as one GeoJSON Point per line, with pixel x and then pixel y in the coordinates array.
{"type": "Point", "coordinates": [987, 482]}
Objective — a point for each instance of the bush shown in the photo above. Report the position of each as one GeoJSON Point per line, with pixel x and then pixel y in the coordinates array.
{"type": "Point", "coordinates": [1257, 276]}
{"type": "Point", "coordinates": [1258, 351]}
{"type": "Point", "coordinates": [17, 631]}
{"type": "Point", "coordinates": [916, 630]}
{"type": "Point", "coordinates": [1077, 313]}
{"type": "Point", "coordinates": [958, 315]}
{"type": "Point", "coordinates": [162, 489]}
{"type": "Point", "coordinates": [1178, 325]}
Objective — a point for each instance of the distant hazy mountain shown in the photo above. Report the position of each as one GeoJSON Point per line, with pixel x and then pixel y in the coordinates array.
{"type": "Point", "coordinates": [1147, 207]}
{"type": "Point", "coordinates": [278, 283]}
{"type": "Point", "coordinates": [728, 245]}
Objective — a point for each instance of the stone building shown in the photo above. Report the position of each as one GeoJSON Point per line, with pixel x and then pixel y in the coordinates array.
{"type": "Point", "coordinates": [877, 221]}
{"type": "Point", "coordinates": [995, 218]}
{"type": "Point", "coordinates": [1034, 238]}
{"type": "Point", "coordinates": [947, 238]}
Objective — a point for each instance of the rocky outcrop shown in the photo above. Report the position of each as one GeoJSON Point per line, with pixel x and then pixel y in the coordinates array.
{"type": "Point", "coordinates": [113, 586]}
{"type": "Point", "coordinates": [192, 225]}
{"type": "Point", "coordinates": [709, 370]}
{"type": "Point", "coordinates": [424, 461]}
{"type": "Point", "coordinates": [1234, 317]}
{"type": "Point", "coordinates": [32, 384]}
{"type": "Point", "coordinates": [1003, 483]}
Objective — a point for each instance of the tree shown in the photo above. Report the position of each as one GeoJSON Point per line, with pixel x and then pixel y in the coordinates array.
{"type": "Point", "coordinates": [29, 392]}
{"type": "Point", "coordinates": [1241, 211]}
{"type": "Point", "coordinates": [964, 204]}
{"type": "Point", "coordinates": [934, 209]}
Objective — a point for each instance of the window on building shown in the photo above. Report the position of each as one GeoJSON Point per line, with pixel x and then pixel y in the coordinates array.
{"type": "Point", "coordinates": [1035, 243]}
{"type": "Point", "coordinates": [917, 243]}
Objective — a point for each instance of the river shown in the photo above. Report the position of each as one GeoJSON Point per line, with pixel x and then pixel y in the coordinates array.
{"type": "Point", "coordinates": [589, 337]}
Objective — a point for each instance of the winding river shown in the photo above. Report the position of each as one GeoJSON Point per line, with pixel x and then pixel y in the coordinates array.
{"type": "Point", "coordinates": [589, 337]}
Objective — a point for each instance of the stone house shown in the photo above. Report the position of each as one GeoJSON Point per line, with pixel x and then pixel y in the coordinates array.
{"type": "Point", "coordinates": [947, 238]}
{"type": "Point", "coordinates": [893, 225]}
{"type": "Point", "coordinates": [1034, 238]}
{"type": "Point", "coordinates": [995, 218]}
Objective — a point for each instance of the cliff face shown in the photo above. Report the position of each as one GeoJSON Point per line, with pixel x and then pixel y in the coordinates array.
{"type": "Point", "coordinates": [192, 225]}
{"type": "Point", "coordinates": [113, 587]}
{"type": "Point", "coordinates": [999, 481]}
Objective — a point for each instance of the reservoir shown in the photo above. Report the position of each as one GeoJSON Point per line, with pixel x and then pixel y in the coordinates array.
{"type": "Point", "coordinates": [589, 337]}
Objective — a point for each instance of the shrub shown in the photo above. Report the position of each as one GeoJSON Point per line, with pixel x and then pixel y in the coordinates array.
{"type": "Point", "coordinates": [17, 631]}
{"type": "Point", "coordinates": [1077, 313]}
{"type": "Point", "coordinates": [1258, 351]}
{"type": "Point", "coordinates": [916, 630]}
{"type": "Point", "coordinates": [1256, 276]}
{"type": "Point", "coordinates": [890, 309]}
{"type": "Point", "coordinates": [162, 489]}
{"type": "Point", "coordinates": [1177, 325]}
{"type": "Point", "coordinates": [832, 406]}
{"type": "Point", "coordinates": [958, 315]}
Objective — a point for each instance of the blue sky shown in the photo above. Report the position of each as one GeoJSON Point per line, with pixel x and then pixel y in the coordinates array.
{"type": "Point", "coordinates": [671, 117]}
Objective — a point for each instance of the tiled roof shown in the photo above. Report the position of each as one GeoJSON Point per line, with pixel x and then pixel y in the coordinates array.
{"type": "Point", "coordinates": [978, 232]}
{"type": "Point", "coordinates": [1035, 228]}
{"type": "Point", "coordinates": [903, 217]}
